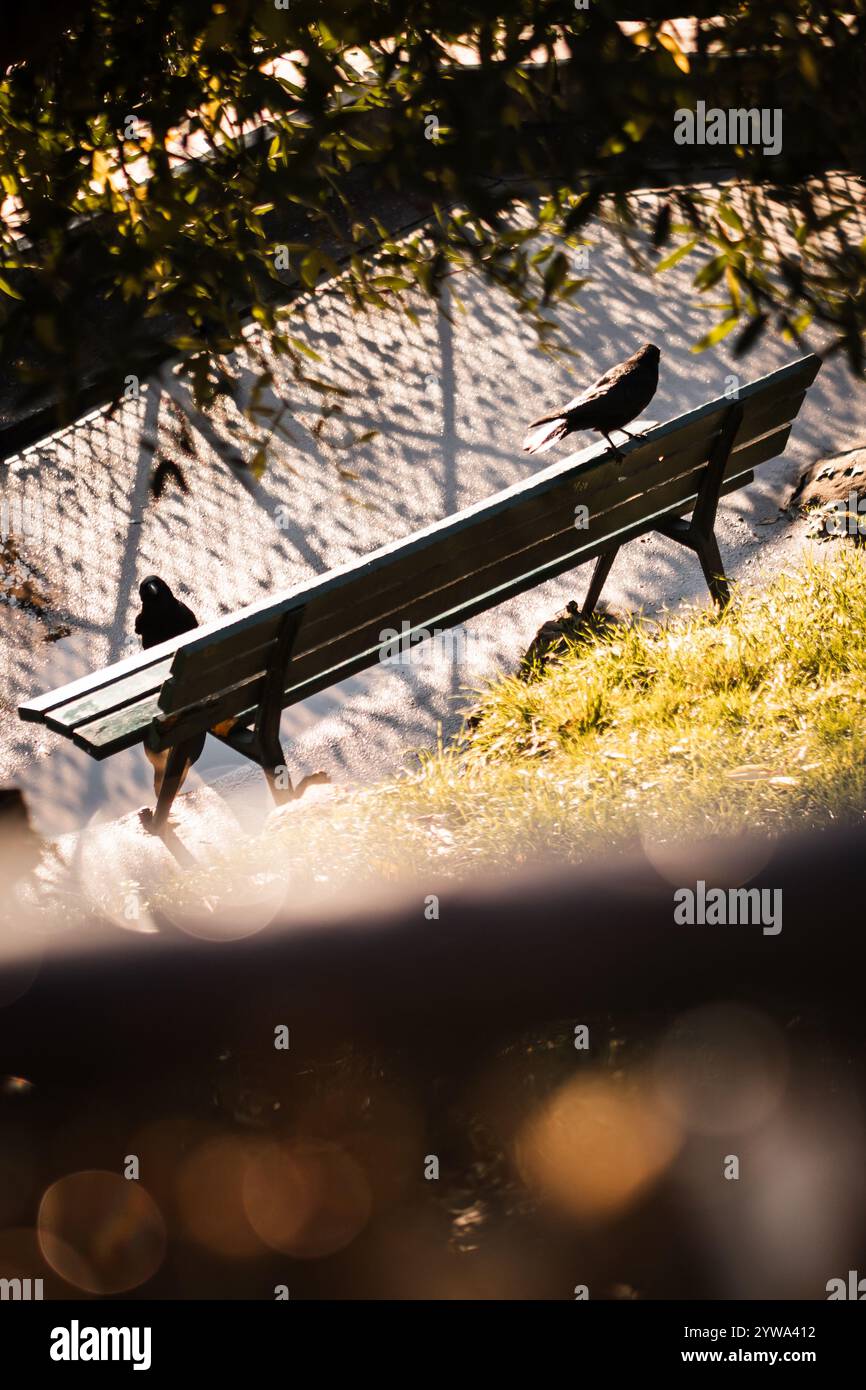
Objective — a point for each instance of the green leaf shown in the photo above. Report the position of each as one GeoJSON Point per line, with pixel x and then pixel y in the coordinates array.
{"type": "Point", "coordinates": [716, 334]}
{"type": "Point", "coordinates": [314, 263]}
{"type": "Point", "coordinates": [711, 273]}
{"type": "Point", "coordinates": [555, 274]}
{"type": "Point", "coordinates": [301, 346]}
{"type": "Point", "coordinates": [675, 256]}
{"type": "Point", "coordinates": [391, 282]}
{"type": "Point", "coordinates": [731, 217]}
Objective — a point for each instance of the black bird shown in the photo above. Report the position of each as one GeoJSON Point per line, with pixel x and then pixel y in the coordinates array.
{"type": "Point", "coordinates": [615, 399]}
{"type": "Point", "coordinates": [163, 616]}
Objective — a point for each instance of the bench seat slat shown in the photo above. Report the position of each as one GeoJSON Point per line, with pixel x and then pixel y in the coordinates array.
{"type": "Point", "coordinates": [120, 729]}
{"type": "Point", "coordinates": [342, 612]}
{"type": "Point", "coordinates": [131, 688]}
{"type": "Point", "coordinates": [35, 710]}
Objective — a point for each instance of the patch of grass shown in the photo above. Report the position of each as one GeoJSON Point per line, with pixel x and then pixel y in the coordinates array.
{"type": "Point", "coordinates": [698, 724]}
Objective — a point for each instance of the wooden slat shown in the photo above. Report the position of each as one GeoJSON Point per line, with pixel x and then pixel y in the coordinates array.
{"type": "Point", "coordinates": [770, 401]}
{"type": "Point", "coordinates": [356, 606]}
{"type": "Point", "coordinates": [206, 673]}
{"type": "Point", "coordinates": [666, 497]}
{"type": "Point", "coordinates": [161, 657]}
{"type": "Point", "coordinates": [363, 603]}
{"type": "Point", "coordinates": [464, 599]}
{"type": "Point", "coordinates": [132, 688]}
{"type": "Point", "coordinates": [118, 730]}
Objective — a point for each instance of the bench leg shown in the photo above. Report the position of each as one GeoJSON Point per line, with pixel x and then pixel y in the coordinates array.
{"type": "Point", "coordinates": [265, 743]}
{"type": "Point", "coordinates": [175, 772]}
{"type": "Point", "coordinates": [707, 548]}
{"type": "Point", "coordinates": [276, 770]}
{"type": "Point", "coordinates": [699, 533]}
{"type": "Point", "coordinates": [600, 572]}
{"type": "Point", "coordinates": [261, 744]}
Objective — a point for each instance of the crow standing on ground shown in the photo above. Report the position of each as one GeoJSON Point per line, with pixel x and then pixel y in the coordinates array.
{"type": "Point", "coordinates": [616, 398]}
{"type": "Point", "coordinates": [163, 616]}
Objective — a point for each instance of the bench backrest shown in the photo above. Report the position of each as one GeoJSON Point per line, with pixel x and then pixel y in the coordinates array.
{"type": "Point", "coordinates": [439, 577]}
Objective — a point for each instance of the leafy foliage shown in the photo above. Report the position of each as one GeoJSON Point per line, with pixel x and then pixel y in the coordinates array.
{"type": "Point", "coordinates": [187, 165]}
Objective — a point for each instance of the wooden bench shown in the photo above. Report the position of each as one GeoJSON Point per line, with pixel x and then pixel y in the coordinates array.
{"type": "Point", "coordinates": [240, 673]}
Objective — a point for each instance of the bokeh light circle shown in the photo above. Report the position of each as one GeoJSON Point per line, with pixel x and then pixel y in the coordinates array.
{"type": "Point", "coordinates": [721, 1069]}
{"type": "Point", "coordinates": [720, 861]}
{"type": "Point", "coordinates": [306, 1198]}
{"type": "Point", "coordinates": [101, 1232]}
{"type": "Point", "coordinates": [594, 1146]}
{"type": "Point", "coordinates": [241, 905]}
{"type": "Point", "coordinates": [209, 1197]}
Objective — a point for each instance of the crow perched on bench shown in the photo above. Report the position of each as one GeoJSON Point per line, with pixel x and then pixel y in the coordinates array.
{"type": "Point", "coordinates": [163, 616]}
{"type": "Point", "coordinates": [616, 398]}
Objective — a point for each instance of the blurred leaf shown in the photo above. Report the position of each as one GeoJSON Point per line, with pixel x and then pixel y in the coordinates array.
{"type": "Point", "coordinates": [669, 42]}
{"type": "Point", "coordinates": [676, 256]}
{"type": "Point", "coordinates": [716, 334]}
{"type": "Point", "coordinates": [731, 217]}
{"type": "Point", "coordinates": [750, 334]}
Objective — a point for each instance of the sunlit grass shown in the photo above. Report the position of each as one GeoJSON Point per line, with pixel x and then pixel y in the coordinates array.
{"type": "Point", "coordinates": [696, 725]}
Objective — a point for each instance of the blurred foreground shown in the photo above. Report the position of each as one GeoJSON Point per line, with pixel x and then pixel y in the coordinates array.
{"type": "Point", "coordinates": [549, 1086]}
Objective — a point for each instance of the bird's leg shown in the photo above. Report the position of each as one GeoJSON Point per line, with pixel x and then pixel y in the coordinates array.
{"type": "Point", "coordinates": [618, 455]}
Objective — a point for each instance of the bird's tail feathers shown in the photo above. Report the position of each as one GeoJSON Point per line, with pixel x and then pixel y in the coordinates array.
{"type": "Point", "coordinates": [544, 434]}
